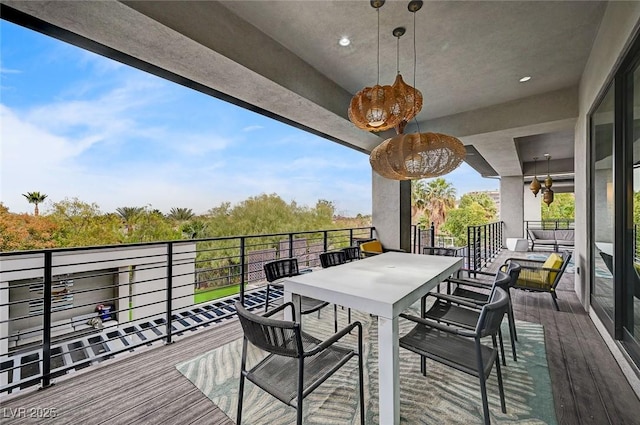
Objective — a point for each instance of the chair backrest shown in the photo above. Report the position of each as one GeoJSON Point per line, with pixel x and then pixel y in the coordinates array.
{"type": "Point", "coordinates": [502, 280]}
{"type": "Point", "coordinates": [333, 258]}
{"type": "Point", "coordinates": [437, 250]}
{"type": "Point", "coordinates": [492, 313]}
{"type": "Point", "coordinates": [278, 269]}
{"type": "Point", "coordinates": [351, 253]}
{"type": "Point", "coordinates": [513, 269]}
{"type": "Point", "coordinates": [274, 336]}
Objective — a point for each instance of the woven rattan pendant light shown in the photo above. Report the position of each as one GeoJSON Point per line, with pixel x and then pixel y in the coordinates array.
{"type": "Point", "coordinates": [376, 108]}
{"type": "Point", "coordinates": [407, 95]}
{"type": "Point", "coordinates": [417, 155]}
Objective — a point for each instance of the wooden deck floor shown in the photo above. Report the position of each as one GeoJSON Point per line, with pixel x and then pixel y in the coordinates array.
{"type": "Point", "coordinates": [145, 387]}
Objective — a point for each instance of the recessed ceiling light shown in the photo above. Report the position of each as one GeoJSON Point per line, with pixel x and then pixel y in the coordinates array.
{"type": "Point", "coordinates": [525, 79]}
{"type": "Point", "coordinates": [344, 41]}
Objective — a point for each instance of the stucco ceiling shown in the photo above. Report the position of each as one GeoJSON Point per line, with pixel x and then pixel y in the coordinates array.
{"type": "Point", "coordinates": [282, 58]}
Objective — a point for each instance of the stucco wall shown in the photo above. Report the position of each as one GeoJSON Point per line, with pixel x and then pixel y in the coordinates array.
{"type": "Point", "coordinates": [391, 208]}
{"type": "Point", "coordinates": [511, 206]}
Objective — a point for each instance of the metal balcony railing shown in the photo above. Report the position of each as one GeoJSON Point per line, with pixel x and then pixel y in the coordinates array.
{"type": "Point", "coordinates": [66, 309]}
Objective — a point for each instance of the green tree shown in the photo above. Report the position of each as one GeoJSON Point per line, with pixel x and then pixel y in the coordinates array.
{"type": "Point", "coordinates": [150, 226]}
{"type": "Point", "coordinates": [35, 198]}
{"type": "Point", "coordinates": [440, 196]}
{"type": "Point", "coordinates": [83, 224]}
{"type": "Point", "coordinates": [181, 214]}
{"type": "Point", "coordinates": [482, 199]}
{"type": "Point", "coordinates": [562, 207]}
{"type": "Point", "coordinates": [459, 219]}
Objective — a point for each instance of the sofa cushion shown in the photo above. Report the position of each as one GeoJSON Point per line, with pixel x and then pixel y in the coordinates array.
{"type": "Point", "coordinates": [546, 235]}
{"type": "Point", "coordinates": [538, 279]}
{"type": "Point", "coordinates": [565, 235]}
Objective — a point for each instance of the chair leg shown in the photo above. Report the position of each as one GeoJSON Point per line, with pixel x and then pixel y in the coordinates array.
{"type": "Point", "coordinates": [485, 401]}
{"type": "Point", "coordinates": [554, 297]}
{"type": "Point", "coordinates": [512, 317]}
{"type": "Point", "coordinates": [266, 302]}
{"type": "Point", "coordinates": [240, 394]}
{"type": "Point", "coordinates": [361, 377]}
{"type": "Point", "coordinates": [504, 360]}
{"type": "Point", "coordinates": [503, 405]}
{"type": "Point", "coordinates": [335, 318]}
{"type": "Point", "coordinates": [423, 365]}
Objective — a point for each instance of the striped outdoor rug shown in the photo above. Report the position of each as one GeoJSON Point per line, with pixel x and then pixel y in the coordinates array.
{"type": "Point", "coordinates": [445, 396]}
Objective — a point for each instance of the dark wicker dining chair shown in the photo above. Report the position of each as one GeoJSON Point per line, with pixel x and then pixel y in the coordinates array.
{"type": "Point", "coordinates": [463, 284]}
{"type": "Point", "coordinates": [297, 363]}
{"type": "Point", "coordinates": [330, 259]}
{"type": "Point", "coordinates": [352, 253]}
{"type": "Point", "coordinates": [461, 348]}
{"type": "Point", "coordinates": [287, 267]}
{"type": "Point", "coordinates": [464, 312]}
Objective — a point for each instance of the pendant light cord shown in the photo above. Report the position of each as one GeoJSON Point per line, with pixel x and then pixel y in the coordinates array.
{"type": "Point", "coordinates": [415, 60]}
{"type": "Point", "coordinates": [398, 55]}
{"type": "Point", "coordinates": [378, 81]}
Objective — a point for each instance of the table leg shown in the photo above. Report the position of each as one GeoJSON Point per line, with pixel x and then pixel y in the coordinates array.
{"type": "Point", "coordinates": [389, 372]}
{"type": "Point", "coordinates": [295, 299]}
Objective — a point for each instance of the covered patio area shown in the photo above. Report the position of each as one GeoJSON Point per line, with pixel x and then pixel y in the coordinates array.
{"type": "Point", "coordinates": [282, 59]}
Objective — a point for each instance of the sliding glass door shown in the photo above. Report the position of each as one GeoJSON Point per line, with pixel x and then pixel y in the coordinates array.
{"type": "Point", "coordinates": [615, 205]}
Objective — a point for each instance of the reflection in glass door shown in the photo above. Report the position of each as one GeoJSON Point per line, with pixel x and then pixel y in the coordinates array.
{"type": "Point", "coordinates": [602, 136]}
{"type": "Point", "coordinates": [631, 286]}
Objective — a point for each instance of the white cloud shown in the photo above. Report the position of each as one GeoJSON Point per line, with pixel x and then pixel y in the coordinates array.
{"type": "Point", "coordinates": [9, 71]}
{"type": "Point", "coordinates": [252, 128]}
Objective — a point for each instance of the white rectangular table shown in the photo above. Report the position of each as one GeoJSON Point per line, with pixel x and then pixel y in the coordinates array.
{"type": "Point", "coordinates": [384, 285]}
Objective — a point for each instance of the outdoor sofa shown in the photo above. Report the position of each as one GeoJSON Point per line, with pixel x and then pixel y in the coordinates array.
{"type": "Point", "coordinates": [555, 238]}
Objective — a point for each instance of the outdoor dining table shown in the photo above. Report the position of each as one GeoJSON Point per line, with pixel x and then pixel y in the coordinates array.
{"type": "Point", "coordinates": [383, 285]}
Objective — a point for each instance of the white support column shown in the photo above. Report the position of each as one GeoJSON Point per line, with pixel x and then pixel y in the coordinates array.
{"type": "Point", "coordinates": [392, 211]}
{"type": "Point", "coordinates": [512, 206]}
{"type": "Point", "coordinates": [532, 205]}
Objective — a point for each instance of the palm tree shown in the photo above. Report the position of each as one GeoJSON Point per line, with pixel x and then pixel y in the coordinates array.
{"type": "Point", "coordinates": [418, 201]}
{"type": "Point", "coordinates": [35, 198]}
{"type": "Point", "coordinates": [195, 229]}
{"type": "Point", "coordinates": [128, 215]}
{"type": "Point", "coordinates": [440, 196]}
{"type": "Point", "coordinates": [180, 214]}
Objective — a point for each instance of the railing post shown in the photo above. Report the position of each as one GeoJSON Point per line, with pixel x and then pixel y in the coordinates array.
{"type": "Point", "coordinates": [325, 235]}
{"type": "Point", "coordinates": [46, 322]}
{"type": "Point", "coordinates": [290, 245]}
{"type": "Point", "coordinates": [433, 234]}
{"type": "Point", "coordinates": [470, 248]}
{"type": "Point", "coordinates": [242, 267]}
{"type": "Point", "coordinates": [169, 290]}
{"type": "Point", "coordinates": [351, 237]}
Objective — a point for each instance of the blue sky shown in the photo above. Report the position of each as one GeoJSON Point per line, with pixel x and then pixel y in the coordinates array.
{"type": "Point", "coordinates": [75, 124]}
